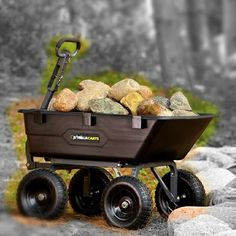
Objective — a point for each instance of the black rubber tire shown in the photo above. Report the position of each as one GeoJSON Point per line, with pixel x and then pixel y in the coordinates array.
{"type": "Point", "coordinates": [130, 190]}
{"type": "Point", "coordinates": [190, 191]}
{"type": "Point", "coordinates": [88, 205]}
{"type": "Point", "coordinates": [48, 186]}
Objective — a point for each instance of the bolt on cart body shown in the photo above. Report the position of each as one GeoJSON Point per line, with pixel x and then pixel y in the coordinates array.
{"type": "Point", "coordinates": [91, 142]}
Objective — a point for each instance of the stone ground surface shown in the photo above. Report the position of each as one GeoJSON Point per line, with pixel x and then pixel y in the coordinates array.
{"type": "Point", "coordinates": [11, 90]}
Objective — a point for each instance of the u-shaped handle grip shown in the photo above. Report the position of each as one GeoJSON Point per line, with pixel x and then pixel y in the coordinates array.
{"type": "Point", "coordinates": [66, 53]}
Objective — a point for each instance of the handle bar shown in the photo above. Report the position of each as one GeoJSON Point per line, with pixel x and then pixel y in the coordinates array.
{"type": "Point", "coordinates": [66, 53]}
{"type": "Point", "coordinates": [57, 74]}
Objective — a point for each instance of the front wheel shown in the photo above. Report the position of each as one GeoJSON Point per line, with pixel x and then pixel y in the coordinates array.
{"type": "Point", "coordinates": [126, 203]}
{"type": "Point", "coordinates": [190, 193]}
{"type": "Point", "coordinates": [42, 194]}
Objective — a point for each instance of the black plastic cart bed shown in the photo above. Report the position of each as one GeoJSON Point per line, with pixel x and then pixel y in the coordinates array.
{"type": "Point", "coordinates": [90, 141]}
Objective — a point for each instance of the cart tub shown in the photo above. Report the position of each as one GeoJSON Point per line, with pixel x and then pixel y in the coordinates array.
{"type": "Point", "coordinates": [112, 138]}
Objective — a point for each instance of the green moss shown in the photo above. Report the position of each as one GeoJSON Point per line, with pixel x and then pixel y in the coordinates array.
{"type": "Point", "coordinates": [146, 176]}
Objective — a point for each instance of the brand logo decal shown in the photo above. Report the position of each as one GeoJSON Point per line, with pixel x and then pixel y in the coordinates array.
{"type": "Point", "coordinates": [85, 137]}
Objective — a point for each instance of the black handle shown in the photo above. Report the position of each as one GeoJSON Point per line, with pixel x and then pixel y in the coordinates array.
{"type": "Point", "coordinates": [66, 53]}
{"type": "Point", "coordinates": [57, 74]}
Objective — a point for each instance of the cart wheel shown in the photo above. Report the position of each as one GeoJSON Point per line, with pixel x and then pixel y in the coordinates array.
{"type": "Point", "coordinates": [126, 203]}
{"type": "Point", "coordinates": [190, 192]}
{"type": "Point", "coordinates": [42, 194]}
{"type": "Point", "coordinates": [88, 203]}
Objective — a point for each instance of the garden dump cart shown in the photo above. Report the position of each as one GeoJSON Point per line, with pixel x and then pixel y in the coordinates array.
{"type": "Point", "coordinates": [91, 142]}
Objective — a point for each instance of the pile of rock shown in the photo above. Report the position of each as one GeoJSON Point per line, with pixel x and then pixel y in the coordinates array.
{"type": "Point", "coordinates": [125, 97]}
{"type": "Point", "coordinates": [216, 168]}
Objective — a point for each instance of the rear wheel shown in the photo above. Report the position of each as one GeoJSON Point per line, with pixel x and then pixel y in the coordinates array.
{"type": "Point", "coordinates": [42, 194]}
{"type": "Point", "coordinates": [190, 192]}
{"type": "Point", "coordinates": [85, 197]}
{"type": "Point", "coordinates": [126, 203]}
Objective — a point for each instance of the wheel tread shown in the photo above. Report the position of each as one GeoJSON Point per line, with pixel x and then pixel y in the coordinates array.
{"type": "Point", "coordinates": [191, 180]}
{"type": "Point", "coordinates": [59, 185]}
{"type": "Point", "coordinates": [146, 211]}
{"type": "Point", "coordinates": [74, 182]}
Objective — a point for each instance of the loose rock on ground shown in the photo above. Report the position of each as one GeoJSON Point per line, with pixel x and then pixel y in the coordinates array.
{"type": "Point", "coordinates": [211, 166]}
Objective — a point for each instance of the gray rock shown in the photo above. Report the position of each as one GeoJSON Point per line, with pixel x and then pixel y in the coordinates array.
{"type": "Point", "coordinates": [196, 166]}
{"type": "Point", "coordinates": [227, 204]}
{"type": "Point", "coordinates": [107, 106]}
{"type": "Point", "coordinates": [210, 154]}
{"type": "Point", "coordinates": [179, 102]}
{"type": "Point", "coordinates": [226, 233]}
{"type": "Point", "coordinates": [222, 195]}
{"type": "Point", "coordinates": [201, 225]}
{"type": "Point", "coordinates": [162, 100]}
{"type": "Point", "coordinates": [232, 184]}
{"type": "Point", "coordinates": [215, 178]}
{"type": "Point", "coordinates": [183, 113]}
{"type": "Point", "coordinates": [232, 168]}
{"type": "Point", "coordinates": [226, 194]}
{"type": "Point", "coordinates": [183, 214]}
{"type": "Point", "coordinates": [225, 213]}
{"type": "Point", "coordinates": [150, 107]}
{"type": "Point", "coordinates": [85, 95]}
{"type": "Point", "coordinates": [228, 150]}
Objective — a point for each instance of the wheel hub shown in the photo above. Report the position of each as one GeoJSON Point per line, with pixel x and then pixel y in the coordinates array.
{"type": "Point", "coordinates": [41, 197]}
{"type": "Point", "coordinates": [125, 204]}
